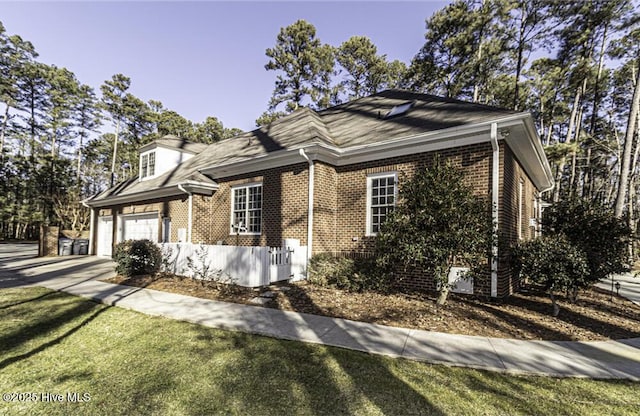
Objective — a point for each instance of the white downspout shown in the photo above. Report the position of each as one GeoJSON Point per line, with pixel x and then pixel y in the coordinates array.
{"type": "Point", "coordinates": [310, 209]}
{"type": "Point", "coordinates": [91, 227]}
{"type": "Point", "coordinates": [189, 212]}
{"type": "Point", "coordinates": [495, 177]}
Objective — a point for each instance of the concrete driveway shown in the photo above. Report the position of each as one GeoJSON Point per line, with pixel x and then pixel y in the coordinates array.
{"type": "Point", "coordinates": [20, 266]}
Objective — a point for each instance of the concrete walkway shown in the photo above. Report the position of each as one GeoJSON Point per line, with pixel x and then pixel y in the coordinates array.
{"type": "Point", "coordinates": [78, 275]}
{"type": "Point", "coordinates": [629, 286]}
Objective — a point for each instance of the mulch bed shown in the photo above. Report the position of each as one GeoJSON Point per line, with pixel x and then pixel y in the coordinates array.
{"type": "Point", "coordinates": [527, 315]}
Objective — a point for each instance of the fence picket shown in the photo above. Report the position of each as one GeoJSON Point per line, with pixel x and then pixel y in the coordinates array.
{"type": "Point", "coordinates": [247, 266]}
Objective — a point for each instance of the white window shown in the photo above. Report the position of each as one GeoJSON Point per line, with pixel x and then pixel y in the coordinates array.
{"type": "Point", "coordinates": [147, 164]}
{"type": "Point", "coordinates": [246, 209]}
{"type": "Point", "coordinates": [381, 199]}
{"type": "Point", "coordinates": [143, 166]}
{"type": "Point", "coordinates": [152, 163]}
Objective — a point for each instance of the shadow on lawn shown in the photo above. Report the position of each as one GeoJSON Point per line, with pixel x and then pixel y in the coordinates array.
{"type": "Point", "coordinates": [86, 311]}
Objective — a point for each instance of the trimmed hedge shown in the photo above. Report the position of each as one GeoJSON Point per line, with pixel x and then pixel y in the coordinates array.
{"type": "Point", "coordinates": [354, 275]}
{"type": "Point", "coordinates": [137, 257]}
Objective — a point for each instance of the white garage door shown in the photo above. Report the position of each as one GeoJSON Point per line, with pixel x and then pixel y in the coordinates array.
{"type": "Point", "coordinates": [105, 234]}
{"type": "Point", "coordinates": [140, 227]}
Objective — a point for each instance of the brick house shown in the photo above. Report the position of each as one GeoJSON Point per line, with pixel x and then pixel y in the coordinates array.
{"type": "Point", "coordinates": [327, 178]}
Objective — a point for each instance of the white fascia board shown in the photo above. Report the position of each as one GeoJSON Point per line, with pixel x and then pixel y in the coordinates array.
{"type": "Point", "coordinates": [542, 157]}
{"type": "Point", "coordinates": [419, 143]}
{"type": "Point", "coordinates": [191, 186]}
{"type": "Point", "coordinates": [136, 197]}
{"type": "Point", "coordinates": [199, 187]}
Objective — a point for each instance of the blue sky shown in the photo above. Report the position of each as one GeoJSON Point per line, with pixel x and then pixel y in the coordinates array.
{"type": "Point", "coordinates": [202, 58]}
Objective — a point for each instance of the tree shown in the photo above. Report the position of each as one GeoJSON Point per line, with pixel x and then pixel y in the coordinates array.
{"type": "Point", "coordinates": [529, 17]}
{"type": "Point", "coordinates": [113, 101]}
{"type": "Point", "coordinates": [366, 71]}
{"type": "Point", "coordinates": [438, 224]}
{"type": "Point", "coordinates": [87, 121]}
{"type": "Point", "coordinates": [15, 53]}
{"type": "Point", "coordinates": [306, 65]}
{"type": "Point", "coordinates": [628, 48]}
{"type": "Point", "coordinates": [595, 231]}
{"type": "Point", "coordinates": [269, 117]}
{"type": "Point", "coordinates": [463, 50]}
{"type": "Point", "coordinates": [552, 262]}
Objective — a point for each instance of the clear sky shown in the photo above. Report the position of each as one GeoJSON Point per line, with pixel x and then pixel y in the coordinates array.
{"type": "Point", "coordinates": [202, 58]}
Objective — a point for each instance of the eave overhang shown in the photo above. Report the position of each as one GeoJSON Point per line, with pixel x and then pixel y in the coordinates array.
{"type": "Point", "coordinates": [524, 143]}
{"type": "Point", "coordinates": [194, 187]}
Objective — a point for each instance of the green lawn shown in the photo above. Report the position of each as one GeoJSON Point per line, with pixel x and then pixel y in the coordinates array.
{"type": "Point", "coordinates": [130, 364]}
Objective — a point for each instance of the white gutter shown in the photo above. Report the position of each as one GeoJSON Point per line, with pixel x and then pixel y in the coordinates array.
{"type": "Point", "coordinates": [495, 177]}
{"type": "Point", "coordinates": [310, 209]}
{"type": "Point", "coordinates": [189, 212]}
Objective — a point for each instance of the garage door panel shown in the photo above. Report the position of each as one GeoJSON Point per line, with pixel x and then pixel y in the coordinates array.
{"type": "Point", "coordinates": [140, 227]}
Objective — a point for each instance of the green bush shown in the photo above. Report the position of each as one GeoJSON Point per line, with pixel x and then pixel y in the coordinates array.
{"type": "Point", "coordinates": [554, 263]}
{"type": "Point", "coordinates": [137, 257]}
{"type": "Point", "coordinates": [438, 223]}
{"type": "Point", "coordinates": [354, 275]}
{"type": "Point", "coordinates": [592, 228]}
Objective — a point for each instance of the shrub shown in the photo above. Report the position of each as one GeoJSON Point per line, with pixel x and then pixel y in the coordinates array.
{"type": "Point", "coordinates": [603, 238]}
{"type": "Point", "coordinates": [137, 257]}
{"type": "Point", "coordinates": [554, 263]}
{"type": "Point", "coordinates": [439, 223]}
{"type": "Point", "coordinates": [200, 268]}
{"type": "Point", "coordinates": [355, 275]}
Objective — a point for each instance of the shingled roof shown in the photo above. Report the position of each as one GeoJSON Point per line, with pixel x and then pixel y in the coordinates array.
{"type": "Point", "coordinates": [363, 121]}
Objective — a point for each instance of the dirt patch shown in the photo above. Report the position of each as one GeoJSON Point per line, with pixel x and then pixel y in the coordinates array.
{"type": "Point", "coordinates": [595, 316]}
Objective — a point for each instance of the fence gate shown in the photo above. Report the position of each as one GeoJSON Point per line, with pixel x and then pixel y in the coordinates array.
{"type": "Point", "coordinates": [279, 264]}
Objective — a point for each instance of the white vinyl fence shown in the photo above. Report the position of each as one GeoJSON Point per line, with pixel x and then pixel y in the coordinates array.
{"type": "Point", "coordinates": [244, 266]}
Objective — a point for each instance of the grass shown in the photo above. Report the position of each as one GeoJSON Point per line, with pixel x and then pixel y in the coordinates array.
{"type": "Point", "coordinates": [131, 364]}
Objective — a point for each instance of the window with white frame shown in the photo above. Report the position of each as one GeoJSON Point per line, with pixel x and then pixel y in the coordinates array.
{"type": "Point", "coordinates": [381, 199]}
{"type": "Point", "coordinates": [147, 164]}
{"type": "Point", "coordinates": [246, 209]}
{"type": "Point", "coordinates": [152, 163]}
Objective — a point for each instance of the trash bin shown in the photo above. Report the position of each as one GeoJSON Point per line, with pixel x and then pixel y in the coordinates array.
{"type": "Point", "coordinates": [81, 246]}
{"type": "Point", "coordinates": [65, 246]}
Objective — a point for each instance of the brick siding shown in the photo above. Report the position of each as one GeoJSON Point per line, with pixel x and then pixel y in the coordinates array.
{"type": "Point", "coordinates": [340, 207]}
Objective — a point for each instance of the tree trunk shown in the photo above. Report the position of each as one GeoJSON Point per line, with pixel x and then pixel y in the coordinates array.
{"type": "Point", "coordinates": [623, 182]}
{"type": "Point", "coordinates": [115, 153]}
{"type": "Point", "coordinates": [521, 41]}
{"type": "Point", "coordinates": [442, 297]}
{"type": "Point", "coordinates": [5, 122]}
{"type": "Point", "coordinates": [563, 162]}
{"type": "Point", "coordinates": [554, 304]}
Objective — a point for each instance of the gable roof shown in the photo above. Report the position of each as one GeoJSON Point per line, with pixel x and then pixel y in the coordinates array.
{"type": "Point", "coordinates": [359, 125]}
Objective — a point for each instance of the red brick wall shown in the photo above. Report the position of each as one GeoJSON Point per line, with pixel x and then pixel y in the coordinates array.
{"type": "Point", "coordinates": [511, 175]}
{"type": "Point", "coordinates": [284, 208]}
{"type": "Point", "coordinates": [352, 187]}
{"type": "Point", "coordinates": [340, 206]}
{"type": "Point", "coordinates": [325, 208]}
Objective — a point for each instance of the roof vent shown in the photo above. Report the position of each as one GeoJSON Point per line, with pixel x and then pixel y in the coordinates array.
{"type": "Point", "coordinates": [399, 109]}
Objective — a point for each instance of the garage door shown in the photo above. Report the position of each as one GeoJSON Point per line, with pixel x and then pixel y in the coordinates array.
{"type": "Point", "coordinates": [140, 227]}
{"type": "Point", "coordinates": [105, 234]}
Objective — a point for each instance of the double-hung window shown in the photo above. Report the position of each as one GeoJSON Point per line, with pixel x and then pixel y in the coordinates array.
{"type": "Point", "coordinates": [147, 165]}
{"type": "Point", "coordinates": [246, 209]}
{"type": "Point", "coordinates": [381, 199]}
{"type": "Point", "coordinates": [144, 161]}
